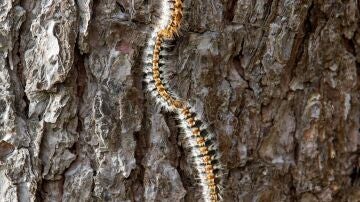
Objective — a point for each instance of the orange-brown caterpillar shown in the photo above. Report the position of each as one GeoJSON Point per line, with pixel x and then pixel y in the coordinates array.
{"type": "Point", "coordinates": [201, 142]}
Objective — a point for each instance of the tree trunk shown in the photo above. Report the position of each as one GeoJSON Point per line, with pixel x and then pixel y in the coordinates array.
{"type": "Point", "coordinates": [275, 80]}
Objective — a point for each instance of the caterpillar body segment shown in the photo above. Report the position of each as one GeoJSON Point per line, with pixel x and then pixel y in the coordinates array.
{"type": "Point", "coordinates": [204, 151]}
{"type": "Point", "coordinates": [202, 144]}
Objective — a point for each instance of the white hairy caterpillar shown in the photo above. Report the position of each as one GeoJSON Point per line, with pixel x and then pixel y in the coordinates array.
{"type": "Point", "coordinates": [202, 144]}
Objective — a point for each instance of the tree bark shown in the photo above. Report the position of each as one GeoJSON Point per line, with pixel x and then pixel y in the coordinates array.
{"type": "Point", "coordinates": [277, 81]}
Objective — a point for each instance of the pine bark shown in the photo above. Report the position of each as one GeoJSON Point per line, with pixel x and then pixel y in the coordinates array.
{"type": "Point", "coordinates": [276, 80]}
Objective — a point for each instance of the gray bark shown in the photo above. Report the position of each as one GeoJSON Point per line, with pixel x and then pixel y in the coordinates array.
{"type": "Point", "coordinates": [277, 81]}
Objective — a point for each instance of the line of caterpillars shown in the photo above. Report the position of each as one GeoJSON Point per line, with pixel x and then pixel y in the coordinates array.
{"type": "Point", "coordinates": [200, 141]}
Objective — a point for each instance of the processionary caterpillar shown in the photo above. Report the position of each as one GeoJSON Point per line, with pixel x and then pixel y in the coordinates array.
{"type": "Point", "coordinates": [202, 144]}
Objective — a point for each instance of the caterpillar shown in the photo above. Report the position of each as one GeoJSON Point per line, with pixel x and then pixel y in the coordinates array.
{"type": "Point", "coordinates": [201, 142]}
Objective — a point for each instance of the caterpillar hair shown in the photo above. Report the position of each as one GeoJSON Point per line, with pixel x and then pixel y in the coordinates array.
{"type": "Point", "coordinates": [202, 143]}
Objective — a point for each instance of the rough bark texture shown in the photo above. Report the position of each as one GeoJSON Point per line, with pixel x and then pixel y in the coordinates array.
{"type": "Point", "coordinates": [277, 81]}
